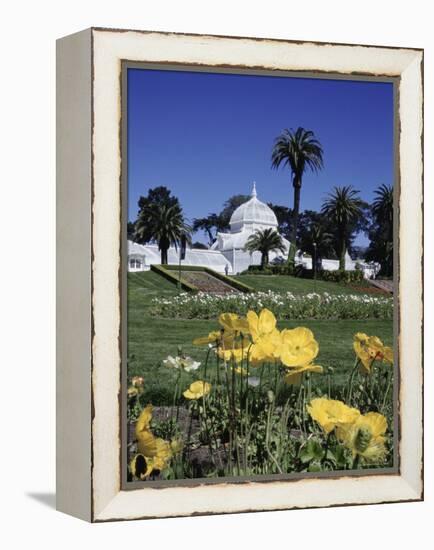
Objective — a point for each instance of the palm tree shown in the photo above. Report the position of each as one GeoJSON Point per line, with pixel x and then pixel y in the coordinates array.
{"type": "Point", "coordinates": [317, 242]}
{"type": "Point", "coordinates": [265, 241]}
{"type": "Point", "coordinates": [298, 150]}
{"type": "Point", "coordinates": [382, 209]}
{"type": "Point", "coordinates": [343, 207]}
{"type": "Point", "coordinates": [166, 226]}
{"type": "Point", "coordinates": [212, 221]}
{"type": "Point", "coordinates": [381, 234]}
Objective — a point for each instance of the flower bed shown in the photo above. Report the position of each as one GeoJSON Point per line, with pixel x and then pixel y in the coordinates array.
{"type": "Point", "coordinates": [254, 407]}
{"type": "Point", "coordinates": [285, 305]}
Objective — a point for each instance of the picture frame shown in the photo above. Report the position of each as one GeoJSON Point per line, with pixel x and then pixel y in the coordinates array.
{"type": "Point", "coordinates": [91, 287]}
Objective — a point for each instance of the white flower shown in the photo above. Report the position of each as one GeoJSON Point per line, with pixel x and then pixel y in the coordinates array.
{"type": "Point", "coordinates": [253, 381]}
{"type": "Point", "coordinates": [185, 363]}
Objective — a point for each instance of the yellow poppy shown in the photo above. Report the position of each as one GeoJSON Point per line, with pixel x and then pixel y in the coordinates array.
{"type": "Point", "coordinates": [132, 391]}
{"type": "Point", "coordinates": [233, 348]}
{"type": "Point", "coordinates": [371, 348]}
{"type": "Point", "coordinates": [240, 370]}
{"type": "Point", "coordinates": [293, 375]}
{"type": "Point", "coordinates": [137, 381]}
{"type": "Point", "coordinates": [212, 338]}
{"type": "Point", "coordinates": [330, 413]}
{"type": "Point", "coordinates": [141, 467]}
{"type": "Point", "coordinates": [365, 436]}
{"type": "Point", "coordinates": [266, 348]}
{"type": "Point", "coordinates": [157, 451]}
{"type": "Point", "coordinates": [231, 322]}
{"type": "Point", "coordinates": [298, 347]}
{"type": "Point", "coordinates": [265, 337]}
{"type": "Point", "coordinates": [197, 390]}
{"type": "Point", "coordinates": [144, 420]}
{"type": "Point", "coordinates": [261, 325]}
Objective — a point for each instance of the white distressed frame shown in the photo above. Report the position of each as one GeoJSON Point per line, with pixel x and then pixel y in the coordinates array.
{"type": "Point", "coordinates": [97, 494]}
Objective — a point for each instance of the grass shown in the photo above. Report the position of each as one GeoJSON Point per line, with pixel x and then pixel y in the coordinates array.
{"type": "Point", "coordinates": [296, 285]}
{"type": "Point", "coordinates": [151, 339]}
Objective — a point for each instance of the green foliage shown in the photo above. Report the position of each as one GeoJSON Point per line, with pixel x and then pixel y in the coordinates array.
{"type": "Point", "coordinates": [344, 208]}
{"type": "Point", "coordinates": [265, 241]}
{"type": "Point", "coordinates": [381, 230]}
{"type": "Point", "coordinates": [341, 276]}
{"type": "Point", "coordinates": [298, 150]}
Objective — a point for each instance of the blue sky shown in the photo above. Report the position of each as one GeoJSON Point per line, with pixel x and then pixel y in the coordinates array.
{"type": "Point", "coordinates": [209, 136]}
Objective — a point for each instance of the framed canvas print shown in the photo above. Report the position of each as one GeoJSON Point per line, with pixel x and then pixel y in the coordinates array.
{"type": "Point", "coordinates": [239, 259]}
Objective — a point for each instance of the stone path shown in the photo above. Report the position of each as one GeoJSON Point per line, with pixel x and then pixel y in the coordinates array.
{"type": "Point", "coordinates": [206, 282]}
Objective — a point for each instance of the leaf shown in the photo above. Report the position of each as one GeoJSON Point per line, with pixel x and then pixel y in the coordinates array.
{"type": "Point", "coordinates": [311, 451]}
{"type": "Point", "coordinates": [314, 467]}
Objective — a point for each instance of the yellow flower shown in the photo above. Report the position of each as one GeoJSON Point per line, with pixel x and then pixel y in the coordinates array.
{"type": "Point", "coordinates": [137, 381]}
{"type": "Point", "coordinates": [141, 467]}
{"type": "Point", "coordinates": [231, 322]}
{"type": "Point", "coordinates": [240, 370]}
{"type": "Point", "coordinates": [330, 413]}
{"type": "Point", "coordinates": [298, 347]}
{"type": "Point", "coordinates": [371, 348]}
{"type": "Point", "coordinates": [234, 348]}
{"type": "Point", "coordinates": [144, 420]}
{"type": "Point", "coordinates": [148, 445]}
{"type": "Point", "coordinates": [261, 325]}
{"type": "Point", "coordinates": [365, 436]}
{"type": "Point", "coordinates": [197, 390]}
{"type": "Point", "coordinates": [266, 348]}
{"type": "Point", "coordinates": [265, 337]}
{"type": "Point", "coordinates": [132, 391]}
{"type": "Point", "coordinates": [293, 375]}
{"type": "Point", "coordinates": [212, 338]}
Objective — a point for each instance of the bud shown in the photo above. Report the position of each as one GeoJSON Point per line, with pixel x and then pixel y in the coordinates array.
{"type": "Point", "coordinates": [362, 439]}
{"type": "Point", "coordinates": [270, 396]}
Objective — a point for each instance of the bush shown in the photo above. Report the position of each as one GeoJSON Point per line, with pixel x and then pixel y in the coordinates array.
{"type": "Point", "coordinates": [338, 276]}
{"type": "Point", "coordinates": [342, 276]}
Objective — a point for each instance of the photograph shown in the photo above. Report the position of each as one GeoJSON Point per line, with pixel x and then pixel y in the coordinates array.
{"type": "Point", "coordinates": [259, 267]}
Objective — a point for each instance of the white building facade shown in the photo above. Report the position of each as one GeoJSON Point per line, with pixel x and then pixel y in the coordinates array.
{"type": "Point", "coordinates": [228, 254]}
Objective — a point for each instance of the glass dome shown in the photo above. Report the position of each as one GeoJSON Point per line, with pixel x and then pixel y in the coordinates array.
{"type": "Point", "coordinates": [253, 212]}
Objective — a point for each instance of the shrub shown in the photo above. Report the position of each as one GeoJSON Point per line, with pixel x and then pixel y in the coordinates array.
{"type": "Point", "coordinates": [342, 276]}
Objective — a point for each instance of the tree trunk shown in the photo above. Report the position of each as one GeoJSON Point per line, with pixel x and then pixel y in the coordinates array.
{"type": "Point", "coordinates": [164, 256]}
{"type": "Point", "coordinates": [293, 238]}
{"type": "Point", "coordinates": [342, 251]}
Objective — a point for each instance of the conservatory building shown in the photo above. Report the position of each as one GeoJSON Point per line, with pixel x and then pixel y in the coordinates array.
{"type": "Point", "coordinates": [228, 254]}
{"type": "Point", "coordinates": [248, 218]}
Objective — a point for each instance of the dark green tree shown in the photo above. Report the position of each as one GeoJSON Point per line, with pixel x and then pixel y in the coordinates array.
{"type": "Point", "coordinates": [284, 219]}
{"type": "Point", "coordinates": [210, 224]}
{"type": "Point", "coordinates": [157, 197]}
{"type": "Point", "coordinates": [265, 241]}
{"type": "Point", "coordinates": [316, 240]}
{"type": "Point", "coordinates": [229, 208]}
{"type": "Point", "coordinates": [131, 230]}
{"type": "Point", "coordinates": [298, 150]}
{"type": "Point", "coordinates": [343, 207]}
{"type": "Point", "coordinates": [381, 231]}
{"type": "Point", "coordinates": [164, 225]}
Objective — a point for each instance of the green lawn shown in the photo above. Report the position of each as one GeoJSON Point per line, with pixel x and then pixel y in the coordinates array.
{"type": "Point", "coordinates": [151, 339]}
{"type": "Point", "coordinates": [296, 285]}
